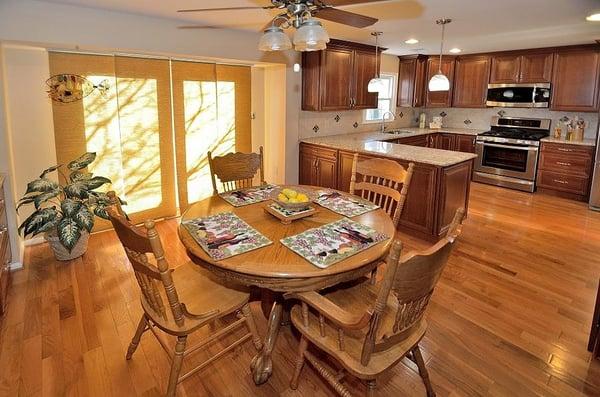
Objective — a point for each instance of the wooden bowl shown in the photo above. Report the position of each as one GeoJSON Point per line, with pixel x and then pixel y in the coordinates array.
{"type": "Point", "coordinates": [294, 206]}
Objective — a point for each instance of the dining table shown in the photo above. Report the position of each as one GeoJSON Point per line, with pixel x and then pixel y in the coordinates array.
{"type": "Point", "coordinates": [275, 269]}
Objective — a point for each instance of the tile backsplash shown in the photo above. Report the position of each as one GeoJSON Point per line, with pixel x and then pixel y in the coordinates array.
{"type": "Point", "coordinates": [347, 122]}
{"type": "Point", "coordinates": [480, 118]}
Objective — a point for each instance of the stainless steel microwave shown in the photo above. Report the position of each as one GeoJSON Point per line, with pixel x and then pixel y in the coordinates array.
{"type": "Point", "coordinates": [519, 95]}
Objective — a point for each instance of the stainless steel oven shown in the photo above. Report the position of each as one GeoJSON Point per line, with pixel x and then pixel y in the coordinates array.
{"type": "Point", "coordinates": [507, 154]}
{"type": "Point", "coordinates": [504, 164]}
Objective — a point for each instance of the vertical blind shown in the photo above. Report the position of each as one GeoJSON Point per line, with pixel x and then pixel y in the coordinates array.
{"type": "Point", "coordinates": [144, 142]}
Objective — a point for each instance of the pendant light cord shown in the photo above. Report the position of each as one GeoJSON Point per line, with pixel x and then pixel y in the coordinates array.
{"type": "Point", "coordinates": [442, 46]}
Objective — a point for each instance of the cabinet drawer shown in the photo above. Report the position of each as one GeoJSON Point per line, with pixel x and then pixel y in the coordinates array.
{"type": "Point", "coordinates": [318, 151]}
{"type": "Point", "coordinates": [568, 164]}
{"type": "Point", "coordinates": [563, 182]}
{"type": "Point", "coordinates": [570, 150]}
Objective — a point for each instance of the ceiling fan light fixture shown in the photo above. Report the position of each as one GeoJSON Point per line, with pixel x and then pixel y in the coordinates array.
{"type": "Point", "coordinates": [310, 36]}
{"type": "Point", "coordinates": [274, 39]}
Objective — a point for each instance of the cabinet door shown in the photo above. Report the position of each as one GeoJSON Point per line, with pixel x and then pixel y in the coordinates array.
{"type": "Point", "coordinates": [446, 141]}
{"type": "Point", "coordinates": [419, 140]}
{"type": "Point", "coordinates": [311, 70]}
{"type": "Point", "coordinates": [345, 160]}
{"type": "Point", "coordinates": [465, 143]}
{"type": "Point", "coordinates": [536, 68]}
{"type": "Point", "coordinates": [420, 83]}
{"type": "Point", "coordinates": [406, 82]}
{"type": "Point", "coordinates": [365, 68]}
{"type": "Point", "coordinates": [575, 81]}
{"type": "Point", "coordinates": [326, 173]}
{"type": "Point", "coordinates": [307, 168]}
{"type": "Point", "coordinates": [336, 79]}
{"type": "Point", "coordinates": [470, 82]}
{"type": "Point", "coordinates": [505, 69]}
{"type": "Point", "coordinates": [440, 98]}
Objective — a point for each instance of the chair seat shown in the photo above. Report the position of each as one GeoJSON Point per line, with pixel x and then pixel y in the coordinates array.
{"type": "Point", "coordinates": [201, 292]}
{"type": "Point", "coordinates": [357, 298]}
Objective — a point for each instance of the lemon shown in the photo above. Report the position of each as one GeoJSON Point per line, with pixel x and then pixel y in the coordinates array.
{"type": "Point", "coordinates": [293, 200]}
{"type": "Point", "coordinates": [290, 193]}
{"type": "Point", "coordinates": [282, 197]}
{"type": "Point", "coordinates": [302, 198]}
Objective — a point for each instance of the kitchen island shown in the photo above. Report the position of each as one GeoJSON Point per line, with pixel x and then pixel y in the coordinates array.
{"type": "Point", "coordinates": [440, 183]}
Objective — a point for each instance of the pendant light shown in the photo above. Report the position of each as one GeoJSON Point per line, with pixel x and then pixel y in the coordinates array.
{"type": "Point", "coordinates": [376, 83]}
{"type": "Point", "coordinates": [439, 82]}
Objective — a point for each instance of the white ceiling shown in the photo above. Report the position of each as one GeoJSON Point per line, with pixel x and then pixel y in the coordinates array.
{"type": "Point", "coordinates": [478, 25]}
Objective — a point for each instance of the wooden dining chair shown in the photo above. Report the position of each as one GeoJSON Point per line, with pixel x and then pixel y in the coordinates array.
{"type": "Point", "coordinates": [384, 183]}
{"type": "Point", "coordinates": [236, 170]}
{"type": "Point", "coordinates": [370, 328]}
{"type": "Point", "coordinates": [162, 291]}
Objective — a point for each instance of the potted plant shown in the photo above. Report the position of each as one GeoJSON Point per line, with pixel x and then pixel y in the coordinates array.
{"type": "Point", "coordinates": [65, 213]}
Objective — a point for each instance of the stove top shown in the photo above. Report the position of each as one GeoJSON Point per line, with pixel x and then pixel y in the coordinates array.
{"type": "Point", "coordinates": [516, 133]}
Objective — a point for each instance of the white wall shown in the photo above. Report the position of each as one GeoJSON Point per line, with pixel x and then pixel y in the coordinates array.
{"type": "Point", "coordinates": [29, 124]}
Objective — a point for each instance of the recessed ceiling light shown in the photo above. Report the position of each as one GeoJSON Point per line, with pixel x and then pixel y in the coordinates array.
{"type": "Point", "coordinates": [455, 50]}
{"type": "Point", "coordinates": [411, 41]}
{"type": "Point", "coordinates": [593, 17]}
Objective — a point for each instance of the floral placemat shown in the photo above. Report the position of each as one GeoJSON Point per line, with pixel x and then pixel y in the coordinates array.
{"type": "Point", "coordinates": [344, 204]}
{"type": "Point", "coordinates": [331, 243]}
{"type": "Point", "coordinates": [224, 235]}
{"type": "Point", "coordinates": [287, 213]}
{"type": "Point", "coordinates": [252, 195]}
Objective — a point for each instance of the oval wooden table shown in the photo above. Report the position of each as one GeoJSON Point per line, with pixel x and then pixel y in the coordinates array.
{"type": "Point", "coordinates": [278, 269]}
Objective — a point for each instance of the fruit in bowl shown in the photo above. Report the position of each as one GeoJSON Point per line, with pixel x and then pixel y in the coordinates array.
{"type": "Point", "coordinates": [292, 199]}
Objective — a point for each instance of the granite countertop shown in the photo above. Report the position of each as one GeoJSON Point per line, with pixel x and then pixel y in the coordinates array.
{"type": "Point", "coordinates": [371, 143]}
{"type": "Point", "coordinates": [585, 142]}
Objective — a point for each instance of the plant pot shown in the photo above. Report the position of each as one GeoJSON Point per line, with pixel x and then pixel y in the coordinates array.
{"type": "Point", "coordinates": [63, 254]}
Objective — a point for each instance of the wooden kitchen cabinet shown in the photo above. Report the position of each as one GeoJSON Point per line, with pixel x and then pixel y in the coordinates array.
{"type": "Point", "coordinates": [318, 166]}
{"type": "Point", "coordinates": [471, 77]}
{"type": "Point", "coordinates": [536, 68]}
{"type": "Point", "coordinates": [565, 170]}
{"type": "Point", "coordinates": [439, 98]}
{"type": "Point", "coordinates": [528, 67]}
{"type": "Point", "coordinates": [418, 140]}
{"type": "Point", "coordinates": [411, 81]}
{"type": "Point", "coordinates": [465, 143]}
{"type": "Point", "coordinates": [505, 69]}
{"type": "Point", "coordinates": [337, 78]}
{"type": "Point", "coordinates": [575, 80]}
{"type": "Point", "coordinates": [5, 253]}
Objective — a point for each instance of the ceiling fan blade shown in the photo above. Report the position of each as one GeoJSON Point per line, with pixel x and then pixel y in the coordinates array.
{"type": "Point", "coordinates": [227, 9]}
{"type": "Point", "coordinates": [339, 3]}
{"type": "Point", "coordinates": [200, 27]}
{"type": "Point", "coordinates": [345, 17]}
{"type": "Point", "coordinates": [277, 21]}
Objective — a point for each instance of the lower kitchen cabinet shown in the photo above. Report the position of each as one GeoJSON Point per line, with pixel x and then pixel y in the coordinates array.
{"type": "Point", "coordinates": [5, 253]}
{"type": "Point", "coordinates": [434, 194]}
{"type": "Point", "coordinates": [465, 143]}
{"type": "Point", "coordinates": [565, 170]}
{"type": "Point", "coordinates": [318, 166]}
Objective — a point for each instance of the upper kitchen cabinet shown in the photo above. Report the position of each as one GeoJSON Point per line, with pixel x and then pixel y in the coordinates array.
{"type": "Point", "coordinates": [337, 78]}
{"type": "Point", "coordinates": [575, 80]}
{"type": "Point", "coordinates": [471, 78]}
{"type": "Point", "coordinates": [411, 81]}
{"type": "Point", "coordinates": [439, 99]}
{"type": "Point", "coordinates": [530, 67]}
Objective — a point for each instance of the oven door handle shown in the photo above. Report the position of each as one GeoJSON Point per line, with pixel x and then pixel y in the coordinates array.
{"type": "Point", "coordinates": [527, 148]}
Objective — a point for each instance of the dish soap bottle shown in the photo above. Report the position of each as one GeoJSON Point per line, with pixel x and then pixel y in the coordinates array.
{"type": "Point", "coordinates": [422, 120]}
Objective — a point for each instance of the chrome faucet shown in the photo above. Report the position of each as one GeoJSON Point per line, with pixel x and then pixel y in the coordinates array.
{"type": "Point", "coordinates": [383, 119]}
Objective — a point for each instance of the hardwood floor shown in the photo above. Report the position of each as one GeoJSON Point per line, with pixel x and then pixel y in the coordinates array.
{"type": "Point", "coordinates": [511, 316]}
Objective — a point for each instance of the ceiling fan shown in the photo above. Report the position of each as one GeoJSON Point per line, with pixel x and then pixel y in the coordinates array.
{"type": "Point", "coordinates": [301, 14]}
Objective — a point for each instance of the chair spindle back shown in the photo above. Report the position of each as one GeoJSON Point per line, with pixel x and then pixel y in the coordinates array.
{"type": "Point", "coordinates": [383, 182]}
{"type": "Point", "coordinates": [236, 170]}
{"type": "Point", "coordinates": [411, 280]}
{"type": "Point", "coordinates": [150, 277]}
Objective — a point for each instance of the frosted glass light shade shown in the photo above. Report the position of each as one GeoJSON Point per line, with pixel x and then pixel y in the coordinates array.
{"type": "Point", "coordinates": [274, 39]}
{"type": "Point", "coordinates": [439, 82]}
{"type": "Point", "coordinates": [310, 36]}
{"type": "Point", "coordinates": [375, 85]}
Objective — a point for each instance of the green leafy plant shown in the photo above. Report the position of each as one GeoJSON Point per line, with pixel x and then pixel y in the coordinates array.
{"type": "Point", "coordinates": [69, 208]}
